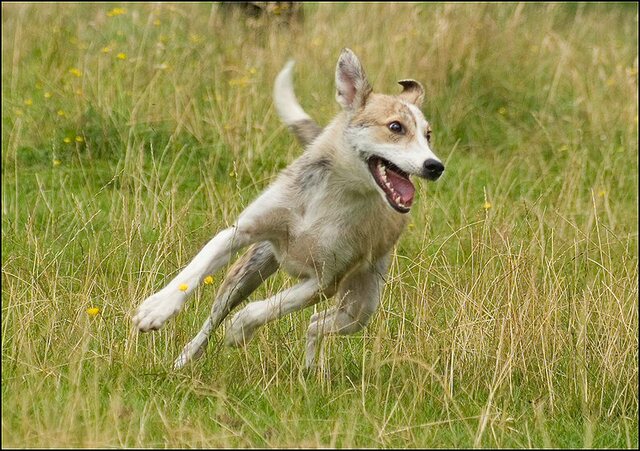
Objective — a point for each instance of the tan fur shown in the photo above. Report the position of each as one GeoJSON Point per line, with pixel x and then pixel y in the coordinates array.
{"type": "Point", "coordinates": [380, 111]}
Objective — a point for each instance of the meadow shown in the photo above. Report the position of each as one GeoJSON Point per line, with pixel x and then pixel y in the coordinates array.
{"type": "Point", "coordinates": [131, 133]}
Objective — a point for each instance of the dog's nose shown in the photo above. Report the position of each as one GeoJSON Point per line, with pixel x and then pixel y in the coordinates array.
{"type": "Point", "coordinates": [432, 169]}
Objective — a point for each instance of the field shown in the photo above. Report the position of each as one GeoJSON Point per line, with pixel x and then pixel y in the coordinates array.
{"type": "Point", "coordinates": [132, 133]}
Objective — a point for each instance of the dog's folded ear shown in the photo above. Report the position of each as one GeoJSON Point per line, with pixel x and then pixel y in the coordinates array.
{"type": "Point", "coordinates": [413, 92]}
{"type": "Point", "coordinates": [352, 85]}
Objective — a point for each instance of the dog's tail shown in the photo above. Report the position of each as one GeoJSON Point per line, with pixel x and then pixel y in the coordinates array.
{"type": "Point", "coordinates": [300, 123]}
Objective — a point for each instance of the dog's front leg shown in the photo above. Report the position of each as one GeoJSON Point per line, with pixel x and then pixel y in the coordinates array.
{"type": "Point", "coordinates": [158, 308]}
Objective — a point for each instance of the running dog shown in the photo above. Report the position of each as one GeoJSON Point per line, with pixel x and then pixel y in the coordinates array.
{"type": "Point", "coordinates": [330, 219]}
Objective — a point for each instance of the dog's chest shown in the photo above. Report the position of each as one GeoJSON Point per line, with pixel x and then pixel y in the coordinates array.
{"type": "Point", "coordinates": [331, 235]}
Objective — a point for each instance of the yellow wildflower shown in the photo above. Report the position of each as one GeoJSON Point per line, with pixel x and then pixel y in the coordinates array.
{"type": "Point", "coordinates": [116, 12]}
{"type": "Point", "coordinates": [486, 205]}
{"type": "Point", "coordinates": [208, 280]}
{"type": "Point", "coordinates": [502, 110]}
{"type": "Point", "coordinates": [121, 56]}
{"type": "Point", "coordinates": [106, 49]}
{"type": "Point", "coordinates": [156, 22]}
{"type": "Point", "coordinates": [183, 287]}
{"type": "Point", "coordinates": [47, 95]}
{"type": "Point", "coordinates": [93, 311]}
{"type": "Point", "coordinates": [602, 193]}
{"type": "Point", "coordinates": [79, 139]}
{"type": "Point", "coordinates": [75, 71]}
{"type": "Point", "coordinates": [61, 113]}
{"type": "Point", "coordinates": [28, 102]}
{"type": "Point", "coordinates": [57, 162]}
{"type": "Point", "coordinates": [67, 140]}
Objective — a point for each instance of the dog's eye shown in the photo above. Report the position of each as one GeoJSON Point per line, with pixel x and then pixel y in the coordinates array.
{"type": "Point", "coordinates": [428, 136]}
{"type": "Point", "coordinates": [396, 127]}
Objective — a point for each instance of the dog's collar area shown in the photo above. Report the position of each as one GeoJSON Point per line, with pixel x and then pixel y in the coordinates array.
{"type": "Point", "coordinates": [394, 182]}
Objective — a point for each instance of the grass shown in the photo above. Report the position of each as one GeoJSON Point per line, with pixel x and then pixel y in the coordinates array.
{"type": "Point", "coordinates": [510, 317]}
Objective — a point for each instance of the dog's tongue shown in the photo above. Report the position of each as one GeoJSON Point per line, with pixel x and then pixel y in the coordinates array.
{"type": "Point", "coordinates": [402, 186]}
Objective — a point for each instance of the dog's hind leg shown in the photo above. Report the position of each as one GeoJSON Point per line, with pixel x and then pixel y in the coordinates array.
{"type": "Point", "coordinates": [246, 274]}
{"type": "Point", "coordinates": [358, 298]}
{"type": "Point", "coordinates": [244, 323]}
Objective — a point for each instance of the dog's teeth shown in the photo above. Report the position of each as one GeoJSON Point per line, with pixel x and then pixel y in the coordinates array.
{"type": "Point", "coordinates": [382, 171]}
{"type": "Point", "coordinates": [397, 198]}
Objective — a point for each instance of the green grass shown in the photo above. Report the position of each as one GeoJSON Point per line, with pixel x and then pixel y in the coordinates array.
{"type": "Point", "coordinates": [509, 326]}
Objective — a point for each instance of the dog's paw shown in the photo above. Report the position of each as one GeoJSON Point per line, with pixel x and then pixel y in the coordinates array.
{"type": "Point", "coordinates": [241, 328]}
{"type": "Point", "coordinates": [157, 309]}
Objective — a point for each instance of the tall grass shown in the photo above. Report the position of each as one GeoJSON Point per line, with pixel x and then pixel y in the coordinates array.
{"type": "Point", "coordinates": [510, 315]}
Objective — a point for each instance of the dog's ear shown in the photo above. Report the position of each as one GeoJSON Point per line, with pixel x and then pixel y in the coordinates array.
{"type": "Point", "coordinates": [352, 85]}
{"type": "Point", "coordinates": [413, 92]}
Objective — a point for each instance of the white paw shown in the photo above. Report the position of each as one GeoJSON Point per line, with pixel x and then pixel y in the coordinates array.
{"type": "Point", "coordinates": [157, 309]}
{"type": "Point", "coordinates": [241, 328]}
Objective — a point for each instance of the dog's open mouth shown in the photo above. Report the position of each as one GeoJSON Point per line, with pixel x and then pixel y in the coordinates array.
{"type": "Point", "coordinates": [394, 182]}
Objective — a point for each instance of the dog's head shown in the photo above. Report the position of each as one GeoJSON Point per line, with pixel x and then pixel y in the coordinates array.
{"type": "Point", "coordinates": [389, 133]}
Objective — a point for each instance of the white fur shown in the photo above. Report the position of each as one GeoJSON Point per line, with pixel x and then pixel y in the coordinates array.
{"type": "Point", "coordinates": [284, 98]}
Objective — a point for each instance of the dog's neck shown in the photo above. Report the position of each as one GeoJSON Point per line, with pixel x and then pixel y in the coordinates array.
{"type": "Point", "coordinates": [349, 171]}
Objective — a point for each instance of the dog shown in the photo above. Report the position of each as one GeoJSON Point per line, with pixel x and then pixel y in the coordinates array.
{"type": "Point", "coordinates": [330, 219]}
